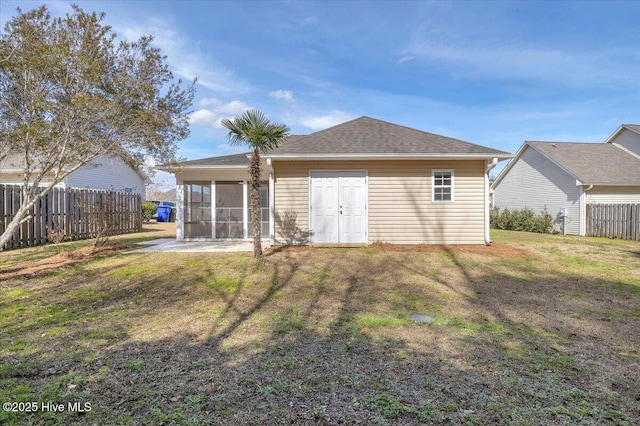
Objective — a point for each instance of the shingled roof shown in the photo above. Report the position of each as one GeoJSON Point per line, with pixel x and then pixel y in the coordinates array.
{"type": "Point", "coordinates": [233, 160]}
{"type": "Point", "coordinates": [369, 136]}
{"type": "Point", "coordinates": [593, 163]}
{"type": "Point", "coordinates": [221, 161]}
{"type": "Point", "coordinates": [14, 163]}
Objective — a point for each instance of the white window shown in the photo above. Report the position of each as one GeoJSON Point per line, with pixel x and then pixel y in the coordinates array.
{"type": "Point", "coordinates": [442, 186]}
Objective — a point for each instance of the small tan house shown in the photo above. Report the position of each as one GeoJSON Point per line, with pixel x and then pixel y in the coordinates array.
{"type": "Point", "coordinates": [359, 182]}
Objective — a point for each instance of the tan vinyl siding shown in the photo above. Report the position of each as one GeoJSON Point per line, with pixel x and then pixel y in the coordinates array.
{"type": "Point", "coordinates": [400, 209]}
{"type": "Point", "coordinates": [291, 202]}
{"type": "Point", "coordinates": [535, 182]}
{"type": "Point", "coordinates": [614, 195]}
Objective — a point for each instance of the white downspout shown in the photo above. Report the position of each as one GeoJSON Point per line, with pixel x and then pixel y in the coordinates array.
{"type": "Point", "coordinates": [583, 211]}
{"type": "Point", "coordinates": [272, 210]}
{"type": "Point", "coordinates": [487, 235]}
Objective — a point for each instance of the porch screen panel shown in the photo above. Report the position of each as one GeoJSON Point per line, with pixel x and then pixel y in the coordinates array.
{"type": "Point", "coordinates": [264, 210]}
{"type": "Point", "coordinates": [197, 210]}
{"type": "Point", "coordinates": [229, 210]}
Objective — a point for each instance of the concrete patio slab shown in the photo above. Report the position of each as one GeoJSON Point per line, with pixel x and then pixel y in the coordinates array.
{"type": "Point", "coordinates": [171, 245]}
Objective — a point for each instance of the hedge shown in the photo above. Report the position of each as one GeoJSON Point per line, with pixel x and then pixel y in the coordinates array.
{"type": "Point", "coordinates": [521, 220]}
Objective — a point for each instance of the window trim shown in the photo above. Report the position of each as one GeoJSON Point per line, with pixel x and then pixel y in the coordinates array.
{"type": "Point", "coordinates": [434, 186]}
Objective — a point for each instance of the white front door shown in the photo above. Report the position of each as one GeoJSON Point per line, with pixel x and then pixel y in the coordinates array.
{"type": "Point", "coordinates": [338, 207]}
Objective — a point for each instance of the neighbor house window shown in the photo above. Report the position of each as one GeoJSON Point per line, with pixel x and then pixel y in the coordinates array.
{"type": "Point", "coordinates": [442, 185]}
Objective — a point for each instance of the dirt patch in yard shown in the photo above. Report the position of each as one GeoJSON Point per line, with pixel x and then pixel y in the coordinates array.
{"type": "Point", "coordinates": [33, 269]}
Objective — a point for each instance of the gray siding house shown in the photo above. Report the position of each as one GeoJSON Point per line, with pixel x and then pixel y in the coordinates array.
{"type": "Point", "coordinates": [563, 177]}
{"type": "Point", "coordinates": [107, 172]}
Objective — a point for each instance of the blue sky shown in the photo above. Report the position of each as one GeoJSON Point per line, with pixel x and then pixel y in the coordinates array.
{"type": "Point", "coordinates": [491, 73]}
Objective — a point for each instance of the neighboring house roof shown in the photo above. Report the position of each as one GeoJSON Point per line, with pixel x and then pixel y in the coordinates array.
{"type": "Point", "coordinates": [590, 163]}
{"type": "Point", "coordinates": [372, 138]}
{"type": "Point", "coordinates": [14, 163]}
{"type": "Point", "coordinates": [633, 127]}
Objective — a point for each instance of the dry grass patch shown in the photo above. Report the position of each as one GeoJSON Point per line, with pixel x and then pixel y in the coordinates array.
{"type": "Point", "coordinates": [324, 336]}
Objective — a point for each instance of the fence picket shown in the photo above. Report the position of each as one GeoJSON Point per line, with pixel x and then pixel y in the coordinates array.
{"type": "Point", "coordinates": [75, 211]}
{"type": "Point", "coordinates": [613, 221]}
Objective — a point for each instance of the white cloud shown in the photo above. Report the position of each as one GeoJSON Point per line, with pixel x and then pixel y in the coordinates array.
{"type": "Point", "coordinates": [562, 65]}
{"type": "Point", "coordinates": [233, 108]}
{"type": "Point", "coordinates": [286, 95]}
{"type": "Point", "coordinates": [203, 117]}
{"type": "Point", "coordinates": [322, 122]}
{"type": "Point", "coordinates": [212, 112]}
{"type": "Point", "coordinates": [183, 55]}
{"type": "Point", "coordinates": [404, 59]}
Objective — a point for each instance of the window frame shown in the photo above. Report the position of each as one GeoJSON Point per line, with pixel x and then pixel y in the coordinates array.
{"type": "Point", "coordinates": [434, 186]}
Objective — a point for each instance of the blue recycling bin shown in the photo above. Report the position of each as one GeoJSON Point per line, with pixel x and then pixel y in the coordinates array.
{"type": "Point", "coordinates": [164, 213]}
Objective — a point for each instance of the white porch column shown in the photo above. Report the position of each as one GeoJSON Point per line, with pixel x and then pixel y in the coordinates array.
{"type": "Point", "coordinates": [180, 211]}
{"type": "Point", "coordinates": [213, 209]}
{"type": "Point", "coordinates": [272, 203]}
{"type": "Point", "coordinates": [245, 208]}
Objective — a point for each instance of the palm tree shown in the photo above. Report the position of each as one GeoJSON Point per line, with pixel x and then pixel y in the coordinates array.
{"type": "Point", "coordinates": [255, 130]}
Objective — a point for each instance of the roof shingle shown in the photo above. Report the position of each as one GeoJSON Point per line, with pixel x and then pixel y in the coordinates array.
{"type": "Point", "coordinates": [224, 160]}
{"type": "Point", "coordinates": [367, 135]}
{"type": "Point", "coordinates": [593, 163]}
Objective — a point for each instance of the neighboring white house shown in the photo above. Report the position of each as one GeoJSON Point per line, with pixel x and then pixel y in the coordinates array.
{"type": "Point", "coordinates": [107, 172]}
{"type": "Point", "coordinates": [359, 182]}
{"type": "Point", "coordinates": [563, 177]}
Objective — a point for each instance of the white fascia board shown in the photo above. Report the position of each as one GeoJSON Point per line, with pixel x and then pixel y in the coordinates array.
{"type": "Point", "coordinates": [215, 167]}
{"type": "Point", "coordinates": [179, 169]}
{"type": "Point", "coordinates": [618, 131]}
{"type": "Point", "coordinates": [631, 185]}
{"type": "Point", "coordinates": [508, 167]}
{"type": "Point", "coordinates": [443, 156]}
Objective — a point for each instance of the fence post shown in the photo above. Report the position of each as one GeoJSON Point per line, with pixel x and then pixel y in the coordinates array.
{"type": "Point", "coordinates": [72, 211]}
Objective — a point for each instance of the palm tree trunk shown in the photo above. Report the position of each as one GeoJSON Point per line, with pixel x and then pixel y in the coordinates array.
{"type": "Point", "coordinates": [254, 181]}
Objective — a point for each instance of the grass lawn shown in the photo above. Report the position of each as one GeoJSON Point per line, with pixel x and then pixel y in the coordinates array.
{"type": "Point", "coordinates": [536, 329]}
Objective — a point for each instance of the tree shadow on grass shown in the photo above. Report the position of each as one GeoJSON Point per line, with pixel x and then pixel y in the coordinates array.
{"type": "Point", "coordinates": [289, 347]}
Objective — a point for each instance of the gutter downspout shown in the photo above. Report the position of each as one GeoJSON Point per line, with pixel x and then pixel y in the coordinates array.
{"type": "Point", "coordinates": [489, 166]}
{"type": "Point", "coordinates": [583, 211]}
{"type": "Point", "coordinates": [272, 210]}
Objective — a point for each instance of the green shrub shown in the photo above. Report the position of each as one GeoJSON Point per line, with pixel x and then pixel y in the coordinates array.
{"type": "Point", "coordinates": [521, 220]}
{"type": "Point", "coordinates": [148, 210]}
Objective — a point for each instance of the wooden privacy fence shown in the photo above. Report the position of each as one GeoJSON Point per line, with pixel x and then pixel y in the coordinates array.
{"type": "Point", "coordinates": [72, 214]}
{"type": "Point", "coordinates": [614, 221]}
